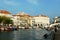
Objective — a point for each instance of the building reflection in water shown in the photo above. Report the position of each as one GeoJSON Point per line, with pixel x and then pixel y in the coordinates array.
{"type": "Point", "coordinates": [23, 34]}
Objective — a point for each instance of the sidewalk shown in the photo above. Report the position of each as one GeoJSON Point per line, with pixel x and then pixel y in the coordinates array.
{"type": "Point", "coordinates": [57, 35]}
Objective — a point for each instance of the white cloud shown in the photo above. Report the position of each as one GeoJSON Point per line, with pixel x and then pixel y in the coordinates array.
{"type": "Point", "coordinates": [12, 3]}
{"type": "Point", "coordinates": [33, 1]}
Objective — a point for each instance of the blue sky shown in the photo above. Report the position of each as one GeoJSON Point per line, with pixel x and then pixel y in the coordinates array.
{"type": "Point", "coordinates": [50, 8]}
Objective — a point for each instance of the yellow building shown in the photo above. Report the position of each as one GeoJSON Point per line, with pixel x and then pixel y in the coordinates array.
{"type": "Point", "coordinates": [24, 19]}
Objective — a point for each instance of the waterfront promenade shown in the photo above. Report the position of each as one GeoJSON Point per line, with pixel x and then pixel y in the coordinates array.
{"type": "Point", "coordinates": [57, 35]}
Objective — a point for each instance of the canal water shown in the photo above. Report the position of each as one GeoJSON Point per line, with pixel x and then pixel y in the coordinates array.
{"type": "Point", "coordinates": [24, 34]}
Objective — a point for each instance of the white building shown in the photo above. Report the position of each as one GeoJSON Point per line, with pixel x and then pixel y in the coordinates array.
{"type": "Point", "coordinates": [57, 19]}
{"type": "Point", "coordinates": [22, 17]}
{"type": "Point", "coordinates": [5, 13]}
{"type": "Point", "coordinates": [16, 20]}
{"type": "Point", "coordinates": [41, 20]}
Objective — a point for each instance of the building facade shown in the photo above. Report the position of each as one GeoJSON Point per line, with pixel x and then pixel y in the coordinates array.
{"type": "Point", "coordinates": [24, 19]}
{"type": "Point", "coordinates": [40, 20]}
{"type": "Point", "coordinates": [5, 13]}
{"type": "Point", "coordinates": [57, 19]}
{"type": "Point", "coordinates": [16, 20]}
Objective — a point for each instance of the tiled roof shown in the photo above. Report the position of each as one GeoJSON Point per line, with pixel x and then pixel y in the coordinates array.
{"type": "Point", "coordinates": [4, 12]}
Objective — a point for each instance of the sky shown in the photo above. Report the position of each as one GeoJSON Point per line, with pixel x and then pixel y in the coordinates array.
{"type": "Point", "coordinates": [50, 8]}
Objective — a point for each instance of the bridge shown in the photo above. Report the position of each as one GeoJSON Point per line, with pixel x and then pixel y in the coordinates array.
{"type": "Point", "coordinates": [54, 24]}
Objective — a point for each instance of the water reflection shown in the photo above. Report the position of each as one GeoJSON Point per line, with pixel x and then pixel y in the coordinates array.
{"type": "Point", "coordinates": [6, 36]}
{"type": "Point", "coordinates": [23, 34]}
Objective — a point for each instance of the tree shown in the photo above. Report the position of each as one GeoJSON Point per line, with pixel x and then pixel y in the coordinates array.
{"type": "Point", "coordinates": [1, 19]}
{"type": "Point", "coordinates": [7, 21]}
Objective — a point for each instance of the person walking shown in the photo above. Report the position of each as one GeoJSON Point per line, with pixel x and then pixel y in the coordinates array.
{"type": "Point", "coordinates": [55, 28]}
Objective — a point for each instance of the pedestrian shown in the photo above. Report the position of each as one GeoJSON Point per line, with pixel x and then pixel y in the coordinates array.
{"type": "Point", "coordinates": [55, 28]}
